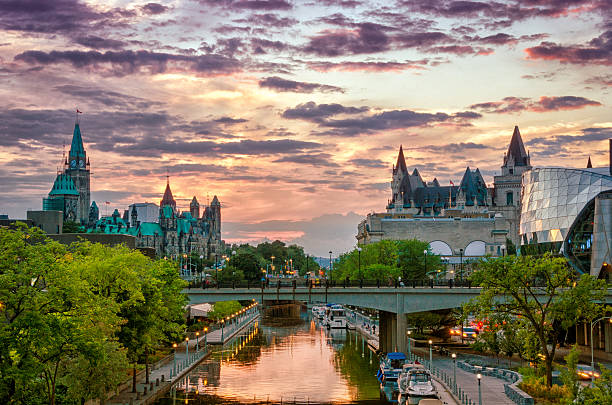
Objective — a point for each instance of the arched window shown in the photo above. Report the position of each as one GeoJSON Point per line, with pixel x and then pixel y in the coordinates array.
{"type": "Point", "coordinates": [475, 248]}
{"type": "Point", "coordinates": [509, 198]}
{"type": "Point", "coordinates": [437, 247]}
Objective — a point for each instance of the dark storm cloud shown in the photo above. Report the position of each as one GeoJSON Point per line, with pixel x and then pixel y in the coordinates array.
{"type": "Point", "coordinates": [283, 85]}
{"type": "Point", "coordinates": [105, 97]}
{"type": "Point", "coordinates": [597, 51]}
{"type": "Point", "coordinates": [95, 42]}
{"type": "Point", "coordinates": [311, 111]}
{"type": "Point", "coordinates": [310, 159]}
{"type": "Point", "coordinates": [154, 8]}
{"type": "Point", "coordinates": [509, 105]}
{"type": "Point", "coordinates": [121, 63]}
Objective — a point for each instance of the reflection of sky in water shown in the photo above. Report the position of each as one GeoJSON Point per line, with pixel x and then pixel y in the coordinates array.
{"type": "Point", "coordinates": [296, 362]}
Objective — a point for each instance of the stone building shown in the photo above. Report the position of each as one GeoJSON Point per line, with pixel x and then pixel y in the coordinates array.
{"type": "Point", "coordinates": [460, 222]}
{"type": "Point", "coordinates": [70, 193]}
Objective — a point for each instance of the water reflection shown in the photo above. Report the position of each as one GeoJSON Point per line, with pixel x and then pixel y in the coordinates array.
{"type": "Point", "coordinates": [301, 363]}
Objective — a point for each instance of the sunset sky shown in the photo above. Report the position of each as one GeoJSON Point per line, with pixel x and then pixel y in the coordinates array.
{"type": "Point", "coordinates": [292, 112]}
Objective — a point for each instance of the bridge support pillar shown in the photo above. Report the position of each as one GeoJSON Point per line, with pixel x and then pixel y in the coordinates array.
{"type": "Point", "coordinates": [386, 331]}
{"type": "Point", "coordinates": [400, 333]}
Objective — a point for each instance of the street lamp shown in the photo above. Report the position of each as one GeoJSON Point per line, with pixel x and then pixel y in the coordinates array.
{"type": "Point", "coordinates": [409, 344]}
{"type": "Point", "coordinates": [479, 376]}
{"type": "Point", "coordinates": [197, 341]}
{"type": "Point", "coordinates": [425, 259]}
{"type": "Point", "coordinates": [592, 359]}
{"type": "Point", "coordinates": [503, 249]}
{"type": "Point", "coordinates": [430, 354]}
{"type": "Point", "coordinates": [461, 264]}
{"type": "Point", "coordinates": [272, 257]}
{"type": "Point", "coordinates": [454, 356]}
{"type": "Point", "coordinates": [359, 261]}
{"type": "Point", "coordinates": [222, 322]}
{"type": "Point", "coordinates": [174, 353]}
{"type": "Point", "coordinates": [216, 270]}
{"type": "Point", "coordinates": [205, 339]}
{"type": "Point", "coordinates": [331, 276]}
{"type": "Point", "coordinates": [187, 348]}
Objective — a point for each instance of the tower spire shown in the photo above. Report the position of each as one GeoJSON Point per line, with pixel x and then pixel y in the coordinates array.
{"type": "Point", "coordinates": [589, 165]}
{"type": "Point", "coordinates": [401, 162]}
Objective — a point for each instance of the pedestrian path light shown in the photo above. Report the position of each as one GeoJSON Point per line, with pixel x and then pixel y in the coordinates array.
{"type": "Point", "coordinates": [197, 341]}
{"type": "Point", "coordinates": [454, 356]}
{"type": "Point", "coordinates": [479, 376]}
{"type": "Point", "coordinates": [430, 353]}
{"type": "Point", "coordinates": [174, 352]}
{"type": "Point", "coordinates": [187, 348]}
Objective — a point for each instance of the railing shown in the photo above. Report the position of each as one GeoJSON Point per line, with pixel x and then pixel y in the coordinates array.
{"type": "Point", "coordinates": [302, 283]}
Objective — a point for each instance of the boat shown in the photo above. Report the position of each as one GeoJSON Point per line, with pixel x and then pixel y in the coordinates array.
{"type": "Point", "coordinates": [415, 385]}
{"type": "Point", "coordinates": [335, 316]}
{"type": "Point", "coordinates": [391, 366]}
{"type": "Point", "coordinates": [318, 311]}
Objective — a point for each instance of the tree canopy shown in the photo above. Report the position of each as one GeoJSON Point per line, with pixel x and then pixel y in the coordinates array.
{"type": "Point", "coordinates": [536, 295]}
{"type": "Point", "coordinates": [74, 316]}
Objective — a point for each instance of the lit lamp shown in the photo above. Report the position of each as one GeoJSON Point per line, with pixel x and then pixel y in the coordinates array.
{"type": "Point", "coordinates": [430, 353]}
{"type": "Point", "coordinates": [174, 353]}
{"type": "Point", "coordinates": [479, 376]}
{"type": "Point", "coordinates": [187, 348]}
{"type": "Point", "coordinates": [205, 339]}
{"type": "Point", "coordinates": [454, 356]}
{"type": "Point", "coordinates": [197, 341]}
{"type": "Point", "coordinates": [409, 344]}
{"type": "Point", "coordinates": [425, 259]}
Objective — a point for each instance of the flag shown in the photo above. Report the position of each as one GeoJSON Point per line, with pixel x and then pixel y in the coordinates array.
{"type": "Point", "coordinates": [107, 202]}
{"type": "Point", "coordinates": [79, 112]}
{"type": "Point", "coordinates": [451, 182]}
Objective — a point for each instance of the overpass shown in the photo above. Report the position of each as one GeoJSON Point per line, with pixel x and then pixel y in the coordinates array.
{"type": "Point", "coordinates": [392, 303]}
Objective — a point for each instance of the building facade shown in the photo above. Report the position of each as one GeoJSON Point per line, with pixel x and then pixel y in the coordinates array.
{"type": "Point", "coordinates": [460, 222]}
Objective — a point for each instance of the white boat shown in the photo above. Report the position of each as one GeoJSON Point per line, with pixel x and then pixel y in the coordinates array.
{"type": "Point", "coordinates": [335, 317]}
{"type": "Point", "coordinates": [318, 311]}
{"type": "Point", "coordinates": [415, 384]}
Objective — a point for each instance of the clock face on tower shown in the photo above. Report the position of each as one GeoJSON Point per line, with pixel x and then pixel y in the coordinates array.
{"type": "Point", "coordinates": [81, 163]}
{"type": "Point", "coordinates": [73, 163]}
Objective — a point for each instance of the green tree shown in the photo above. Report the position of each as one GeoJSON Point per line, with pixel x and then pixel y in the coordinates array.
{"type": "Point", "coordinates": [543, 291]}
{"type": "Point", "coordinates": [223, 309]}
{"type": "Point", "coordinates": [71, 227]}
{"type": "Point", "coordinates": [569, 375]}
{"type": "Point", "coordinates": [248, 263]}
{"type": "Point", "coordinates": [412, 261]}
{"type": "Point", "coordinates": [600, 393]}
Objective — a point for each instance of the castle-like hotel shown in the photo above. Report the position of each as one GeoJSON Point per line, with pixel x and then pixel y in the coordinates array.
{"type": "Point", "coordinates": [164, 228]}
{"type": "Point", "coordinates": [469, 219]}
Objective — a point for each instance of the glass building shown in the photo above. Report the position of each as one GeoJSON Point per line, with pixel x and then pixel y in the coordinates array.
{"type": "Point", "coordinates": [569, 211]}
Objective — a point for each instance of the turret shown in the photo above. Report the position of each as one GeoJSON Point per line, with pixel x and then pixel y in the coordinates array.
{"type": "Point", "coordinates": [194, 208]}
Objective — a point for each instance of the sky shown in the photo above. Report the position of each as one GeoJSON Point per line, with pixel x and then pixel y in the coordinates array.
{"type": "Point", "coordinates": [292, 112]}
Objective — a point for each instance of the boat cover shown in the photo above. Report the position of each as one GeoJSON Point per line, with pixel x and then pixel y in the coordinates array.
{"type": "Point", "coordinates": [396, 356]}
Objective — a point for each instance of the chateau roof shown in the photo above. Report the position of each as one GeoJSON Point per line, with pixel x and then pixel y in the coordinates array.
{"type": "Point", "coordinates": [194, 202]}
{"type": "Point", "coordinates": [63, 185]}
{"type": "Point", "coordinates": [401, 162]}
{"type": "Point", "coordinates": [516, 149]}
{"type": "Point", "coordinates": [215, 201]}
{"type": "Point", "coordinates": [76, 148]}
{"type": "Point", "coordinates": [589, 164]}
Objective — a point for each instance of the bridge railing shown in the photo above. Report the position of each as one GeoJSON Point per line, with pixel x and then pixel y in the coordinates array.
{"type": "Point", "coordinates": [345, 283]}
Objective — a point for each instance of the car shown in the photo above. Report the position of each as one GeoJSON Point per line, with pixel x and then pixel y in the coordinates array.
{"type": "Point", "coordinates": [455, 331]}
{"type": "Point", "coordinates": [470, 333]}
{"type": "Point", "coordinates": [586, 372]}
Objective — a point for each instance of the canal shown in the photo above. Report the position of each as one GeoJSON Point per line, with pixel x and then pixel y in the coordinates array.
{"type": "Point", "coordinates": [283, 361]}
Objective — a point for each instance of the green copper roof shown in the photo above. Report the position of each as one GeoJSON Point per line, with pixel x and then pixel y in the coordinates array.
{"type": "Point", "coordinates": [167, 211]}
{"type": "Point", "coordinates": [63, 185]}
{"type": "Point", "coordinates": [149, 229]}
{"type": "Point", "coordinates": [76, 149]}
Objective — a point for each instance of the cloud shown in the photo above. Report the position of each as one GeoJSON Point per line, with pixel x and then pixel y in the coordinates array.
{"type": "Point", "coordinates": [282, 85]}
{"type": "Point", "coordinates": [105, 97]}
{"type": "Point", "coordinates": [317, 160]}
{"type": "Point", "coordinates": [369, 163]}
{"type": "Point", "coordinates": [267, 20]}
{"type": "Point", "coordinates": [367, 38]}
{"type": "Point", "coordinates": [154, 8]}
{"type": "Point", "coordinates": [249, 4]}
{"type": "Point", "coordinates": [509, 105]}
{"type": "Point", "coordinates": [311, 111]}
{"type": "Point", "coordinates": [230, 120]}
{"type": "Point", "coordinates": [369, 66]}
{"type": "Point", "coordinates": [95, 42]}
{"type": "Point", "coordinates": [122, 63]}
{"type": "Point", "coordinates": [597, 51]}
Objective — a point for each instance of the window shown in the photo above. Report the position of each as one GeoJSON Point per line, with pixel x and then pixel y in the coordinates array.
{"type": "Point", "coordinates": [510, 198]}
{"type": "Point", "coordinates": [511, 170]}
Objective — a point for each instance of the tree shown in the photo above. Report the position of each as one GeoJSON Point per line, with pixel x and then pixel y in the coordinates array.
{"type": "Point", "coordinates": [71, 227]}
{"type": "Point", "coordinates": [412, 261]}
{"type": "Point", "coordinates": [223, 309]}
{"type": "Point", "coordinates": [542, 291]}
{"type": "Point", "coordinates": [248, 263]}
{"type": "Point", "coordinates": [601, 393]}
{"type": "Point", "coordinates": [569, 375]}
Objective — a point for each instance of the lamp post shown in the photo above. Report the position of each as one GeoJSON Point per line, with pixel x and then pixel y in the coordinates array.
{"type": "Point", "coordinates": [454, 356]}
{"type": "Point", "coordinates": [503, 249]}
{"type": "Point", "coordinates": [430, 354]}
{"type": "Point", "coordinates": [331, 276]}
{"type": "Point", "coordinates": [425, 259]}
{"type": "Point", "coordinates": [359, 261]}
{"type": "Point", "coordinates": [461, 264]}
{"type": "Point", "coordinates": [216, 270]}
{"type": "Point", "coordinates": [197, 341]}
{"type": "Point", "coordinates": [409, 345]}
{"type": "Point", "coordinates": [592, 358]}
{"type": "Point", "coordinates": [205, 339]}
{"type": "Point", "coordinates": [174, 355]}
{"type": "Point", "coordinates": [187, 349]}
{"type": "Point", "coordinates": [479, 376]}
{"type": "Point", "coordinates": [222, 322]}
{"type": "Point", "coordinates": [272, 257]}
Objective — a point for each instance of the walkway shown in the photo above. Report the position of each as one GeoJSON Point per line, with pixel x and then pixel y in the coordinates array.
{"type": "Point", "coordinates": [492, 388]}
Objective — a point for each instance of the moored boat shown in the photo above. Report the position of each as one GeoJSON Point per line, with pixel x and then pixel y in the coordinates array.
{"type": "Point", "coordinates": [391, 366]}
{"type": "Point", "coordinates": [415, 384]}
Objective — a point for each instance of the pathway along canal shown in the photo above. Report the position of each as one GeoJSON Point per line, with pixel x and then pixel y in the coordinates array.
{"type": "Point", "coordinates": [289, 360]}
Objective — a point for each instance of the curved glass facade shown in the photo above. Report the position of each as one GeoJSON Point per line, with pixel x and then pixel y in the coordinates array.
{"type": "Point", "coordinates": [557, 211]}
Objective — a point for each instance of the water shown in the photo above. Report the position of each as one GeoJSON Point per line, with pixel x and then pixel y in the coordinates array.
{"type": "Point", "coordinates": [293, 361]}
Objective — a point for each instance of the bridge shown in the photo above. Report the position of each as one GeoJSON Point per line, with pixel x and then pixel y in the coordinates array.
{"type": "Point", "coordinates": [393, 303]}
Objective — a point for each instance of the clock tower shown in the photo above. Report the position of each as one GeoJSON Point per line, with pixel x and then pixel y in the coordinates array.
{"type": "Point", "coordinates": [77, 167]}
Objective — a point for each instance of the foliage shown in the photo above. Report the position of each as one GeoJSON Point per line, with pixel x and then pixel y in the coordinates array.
{"type": "Point", "coordinates": [254, 258]}
{"type": "Point", "coordinates": [600, 393]}
{"type": "Point", "coordinates": [223, 309]}
{"type": "Point", "coordinates": [510, 247]}
{"type": "Point", "coordinates": [229, 274]}
{"type": "Point", "coordinates": [393, 258]}
{"type": "Point", "coordinates": [74, 315]}
{"type": "Point", "coordinates": [71, 227]}
{"type": "Point", "coordinates": [569, 375]}
{"type": "Point", "coordinates": [248, 263]}
{"type": "Point", "coordinates": [537, 388]}
{"type": "Point", "coordinates": [542, 292]}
